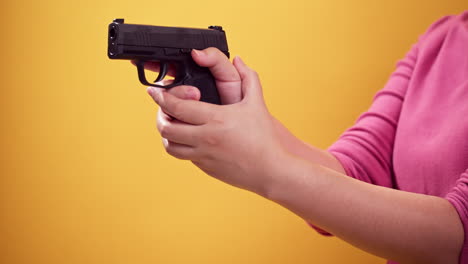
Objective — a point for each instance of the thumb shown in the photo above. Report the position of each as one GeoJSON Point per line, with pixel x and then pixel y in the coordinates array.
{"type": "Point", "coordinates": [227, 78]}
{"type": "Point", "coordinates": [251, 86]}
{"type": "Point", "coordinates": [217, 62]}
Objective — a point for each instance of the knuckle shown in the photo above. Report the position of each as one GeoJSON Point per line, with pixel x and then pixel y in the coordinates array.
{"type": "Point", "coordinates": [159, 122]}
{"type": "Point", "coordinates": [159, 126]}
{"type": "Point", "coordinates": [176, 108]}
{"type": "Point", "coordinates": [172, 150]}
{"type": "Point", "coordinates": [203, 158]}
{"type": "Point", "coordinates": [212, 50]}
{"type": "Point", "coordinates": [254, 73]}
{"type": "Point", "coordinates": [175, 151]}
{"type": "Point", "coordinates": [219, 122]}
{"type": "Point", "coordinates": [164, 130]}
{"type": "Point", "coordinates": [181, 91]}
{"type": "Point", "coordinates": [211, 139]}
{"type": "Point", "coordinates": [176, 91]}
{"type": "Point", "coordinates": [217, 132]}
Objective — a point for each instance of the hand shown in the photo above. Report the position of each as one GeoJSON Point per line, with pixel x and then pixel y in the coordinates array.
{"type": "Point", "coordinates": [226, 76]}
{"type": "Point", "coordinates": [235, 143]}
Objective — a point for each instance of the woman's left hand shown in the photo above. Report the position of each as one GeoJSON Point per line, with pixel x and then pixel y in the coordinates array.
{"type": "Point", "coordinates": [235, 143]}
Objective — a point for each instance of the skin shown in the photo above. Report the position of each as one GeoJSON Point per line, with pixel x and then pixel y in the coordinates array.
{"type": "Point", "coordinates": [242, 144]}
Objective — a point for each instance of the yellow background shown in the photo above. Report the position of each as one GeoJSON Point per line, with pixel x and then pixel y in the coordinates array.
{"type": "Point", "coordinates": [84, 177]}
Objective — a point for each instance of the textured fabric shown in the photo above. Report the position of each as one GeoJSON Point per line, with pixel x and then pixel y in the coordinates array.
{"type": "Point", "coordinates": [414, 137]}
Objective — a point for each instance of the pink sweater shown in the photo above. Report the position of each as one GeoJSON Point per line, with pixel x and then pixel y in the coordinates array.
{"type": "Point", "coordinates": [414, 137]}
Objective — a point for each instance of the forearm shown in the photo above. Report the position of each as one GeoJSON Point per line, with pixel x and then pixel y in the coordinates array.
{"type": "Point", "coordinates": [299, 148]}
{"type": "Point", "coordinates": [402, 226]}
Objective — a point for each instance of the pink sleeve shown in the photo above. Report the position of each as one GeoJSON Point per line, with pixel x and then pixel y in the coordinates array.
{"type": "Point", "coordinates": [365, 149]}
{"type": "Point", "coordinates": [458, 197]}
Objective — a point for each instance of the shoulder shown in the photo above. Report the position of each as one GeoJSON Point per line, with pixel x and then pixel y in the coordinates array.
{"type": "Point", "coordinates": [452, 25]}
{"type": "Point", "coordinates": [446, 36]}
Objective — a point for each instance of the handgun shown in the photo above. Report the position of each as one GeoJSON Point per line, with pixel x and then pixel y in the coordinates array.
{"type": "Point", "coordinates": [170, 47]}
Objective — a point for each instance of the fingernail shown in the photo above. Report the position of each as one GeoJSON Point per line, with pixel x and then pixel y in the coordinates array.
{"type": "Point", "coordinates": [151, 90]}
{"type": "Point", "coordinates": [240, 60]}
{"type": "Point", "coordinates": [154, 93]}
{"type": "Point", "coordinates": [198, 52]}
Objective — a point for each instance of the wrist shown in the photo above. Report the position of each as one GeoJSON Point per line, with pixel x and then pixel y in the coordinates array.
{"type": "Point", "coordinates": [270, 167]}
{"type": "Point", "coordinates": [281, 176]}
{"type": "Point", "coordinates": [295, 183]}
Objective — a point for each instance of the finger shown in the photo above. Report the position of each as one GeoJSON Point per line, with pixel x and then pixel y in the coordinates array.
{"type": "Point", "coordinates": [182, 91]}
{"type": "Point", "coordinates": [188, 111]}
{"type": "Point", "coordinates": [179, 151]}
{"type": "Point", "coordinates": [185, 92]}
{"type": "Point", "coordinates": [218, 62]}
{"type": "Point", "coordinates": [251, 86]}
{"type": "Point", "coordinates": [150, 89]}
{"type": "Point", "coordinates": [162, 117]}
{"type": "Point", "coordinates": [178, 132]}
{"type": "Point", "coordinates": [223, 71]}
{"type": "Point", "coordinates": [161, 83]}
{"type": "Point", "coordinates": [154, 66]}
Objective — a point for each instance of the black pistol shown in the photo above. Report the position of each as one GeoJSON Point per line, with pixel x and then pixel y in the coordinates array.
{"type": "Point", "coordinates": [168, 46]}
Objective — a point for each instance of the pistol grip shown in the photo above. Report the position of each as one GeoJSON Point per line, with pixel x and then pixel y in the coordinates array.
{"type": "Point", "coordinates": [206, 83]}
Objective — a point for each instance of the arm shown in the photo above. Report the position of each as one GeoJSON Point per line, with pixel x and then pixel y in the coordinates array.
{"type": "Point", "coordinates": [249, 153]}
{"type": "Point", "coordinates": [402, 226]}
{"type": "Point", "coordinates": [300, 148]}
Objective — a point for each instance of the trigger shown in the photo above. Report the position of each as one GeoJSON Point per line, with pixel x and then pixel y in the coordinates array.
{"type": "Point", "coordinates": [162, 71]}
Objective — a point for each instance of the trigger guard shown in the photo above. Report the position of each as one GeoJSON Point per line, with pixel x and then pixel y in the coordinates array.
{"type": "Point", "coordinates": [141, 76]}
